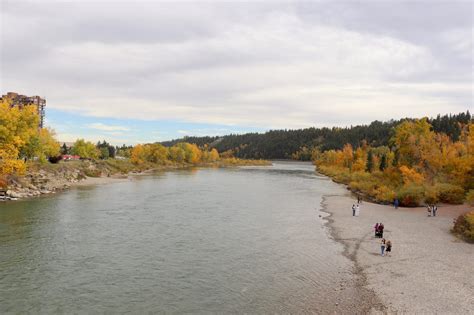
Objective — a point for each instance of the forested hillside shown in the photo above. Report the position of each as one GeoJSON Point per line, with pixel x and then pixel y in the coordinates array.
{"type": "Point", "coordinates": [297, 144]}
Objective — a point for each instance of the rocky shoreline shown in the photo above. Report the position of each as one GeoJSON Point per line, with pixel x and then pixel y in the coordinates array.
{"type": "Point", "coordinates": [41, 183]}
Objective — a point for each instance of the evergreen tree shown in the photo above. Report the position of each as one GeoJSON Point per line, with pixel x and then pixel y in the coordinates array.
{"type": "Point", "coordinates": [64, 149]}
{"type": "Point", "coordinates": [383, 162]}
{"type": "Point", "coordinates": [370, 162]}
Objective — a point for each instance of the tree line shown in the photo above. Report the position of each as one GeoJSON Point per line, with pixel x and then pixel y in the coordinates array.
{"type": "Point", "coordinates": [298, 144]}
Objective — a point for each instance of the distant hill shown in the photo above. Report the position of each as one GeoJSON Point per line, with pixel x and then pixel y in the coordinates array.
{"type": "Point", "coordinates": [281, 144]}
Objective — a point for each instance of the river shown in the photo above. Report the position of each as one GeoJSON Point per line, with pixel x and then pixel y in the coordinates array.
{"type": "Point", "coordinates": [246, 239]}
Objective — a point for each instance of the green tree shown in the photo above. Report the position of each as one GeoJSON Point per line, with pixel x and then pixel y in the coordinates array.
{"type": "Point", "coordinates": [104, 153]}
{"type": "Point", "coordinates": [85, 149]}
{"type": "Point", "coordinates": [64, 149]}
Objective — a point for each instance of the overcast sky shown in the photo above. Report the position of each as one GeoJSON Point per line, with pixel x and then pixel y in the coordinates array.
{"type": "Point", "coordinates": [141, 71]}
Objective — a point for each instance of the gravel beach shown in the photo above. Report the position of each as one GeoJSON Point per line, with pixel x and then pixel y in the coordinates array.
{"type": "Point", "coordinates": [429, 271]}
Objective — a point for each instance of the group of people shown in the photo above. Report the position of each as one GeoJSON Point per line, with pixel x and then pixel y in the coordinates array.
{"type": "Point", "coordinates": [378, 227]}
{"type": "Point", "coordinates": [355, 210]}
{"type": "Point", "coordinates": [432, 209]}
{"type": "Point", "coordinates": [385, 247]}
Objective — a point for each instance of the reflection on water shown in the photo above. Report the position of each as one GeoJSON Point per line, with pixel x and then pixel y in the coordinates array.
{"type": "Point", "coordinates": [199, 240]}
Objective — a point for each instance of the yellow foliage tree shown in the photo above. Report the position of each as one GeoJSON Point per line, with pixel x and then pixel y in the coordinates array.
{"type": "Point", "coordinates": [214, 155]}
{"type": "Point", "coordinates": [177, 154]}
{"type": "Point", "coordinates": [191, 152]}
{"type": "Point", "coordinates": [137, 155]}
{"type": "Point", "coordinates": [158, 153]}
{"type": "Point", "coordinates": [413, 139]}
{"type": "Point", "coordinates": [410, 176]}
{"type": "Point", "coordinates": [17, 127]}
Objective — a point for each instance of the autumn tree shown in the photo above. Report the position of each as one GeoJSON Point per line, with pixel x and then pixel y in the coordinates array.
{"type": "Point", "coordinates": [412, 139]}
{"type": "Point", "coordinates": [138, 154]}
{"type": "Point", "coordinates": [210, 156]}
{"type": "Point", "coordinates": [191, 152]}
{"type": "Point", "coordinates": [42, 146]}
{"type": "Point", "coordinates": [17, 127]}
{"type": "Point", "coordinates": [158, 153]}
{"type": "Point", "coordinates": [177, 154]}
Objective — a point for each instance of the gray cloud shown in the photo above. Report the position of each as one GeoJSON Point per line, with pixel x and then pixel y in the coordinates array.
{"type": "Point", "coordinates": [293, 64]}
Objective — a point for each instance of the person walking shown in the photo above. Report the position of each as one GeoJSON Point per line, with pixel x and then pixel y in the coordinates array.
{"type": "Point", "coordinates": [435, 209]}
{"type": "Point", "coordinates": [382, 246]}
{"type": "Point", "coordinates": [381, 227]}
{"type": "Point", "coordinates": [429, 210]}
{"type": "Point", "coordinates": [376, 228]}
{"type": "Point", "coordinates": [357, 212]}
{"type": "Point", "coordinates": [396, 203]}
{"type": "Point", "coordinates": [353, 210]}
{"type": "Point", "coordinates": [388, 248]}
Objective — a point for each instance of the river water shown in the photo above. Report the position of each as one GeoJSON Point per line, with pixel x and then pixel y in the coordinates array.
{"type": "Point", "coordinates": [243, 240]}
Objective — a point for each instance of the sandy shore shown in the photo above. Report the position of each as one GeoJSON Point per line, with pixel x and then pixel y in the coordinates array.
{"type": "Point", "coordinates": [429, 271]}
{"type": "Point", "coordinates": [90, 181]}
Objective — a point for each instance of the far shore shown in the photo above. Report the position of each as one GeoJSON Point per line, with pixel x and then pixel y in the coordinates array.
{"type": "Point", "coordinates": [430, 271]}
{"type": "Point", "coordinates": [53, 178]}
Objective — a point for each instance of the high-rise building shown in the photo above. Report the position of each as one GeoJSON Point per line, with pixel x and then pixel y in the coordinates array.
{"type": "Point", "coordinates": [23, 100]}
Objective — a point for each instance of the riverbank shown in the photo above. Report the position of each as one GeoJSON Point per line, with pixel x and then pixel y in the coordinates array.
{"type": "Point", "coordinates": [49, 178]}
{"type": "Point", "coordinates": [429, 270]}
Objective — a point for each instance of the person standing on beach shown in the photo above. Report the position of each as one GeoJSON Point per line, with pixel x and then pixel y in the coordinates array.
{"type": "Point", "coordinates": [358, 199]}
{"type": "Point", "coordinates": [357, 212]}
{"type": "Point", "coordinates": [396, 203]}
{"type": "Point", "coordinates": [376, 228]}
{"type": "Point", "coordinates": [388, 249]}
{"type": "Point", "coordinates": [382, 246]}
{"type": "Point", "coordinates": [381, 227]}
{"type": "Point", "coordinates": [353, 210]}
{"type": "Point", "coordinates": [429, 210]}
{"type": "Point", "coordinates": [435, 208]}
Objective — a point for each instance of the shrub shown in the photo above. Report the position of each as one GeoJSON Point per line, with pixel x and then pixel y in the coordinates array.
{"type": "Point", "coordinates": [384, 194]}
{"type": "Point", "coordinates": [431, 195]}
{"type": "Point", "coordinates": [452, 194]}
{"type": "Point", "coordinates": [3, 182]}
{"type": "Point", "coordinates": [411, 195]}
{"type": "Point", "coordinates": [55, 159]}
{"type": "Point", "coordinates": [342, 176]}
{"type": "Point", "coordinates": [470, 197]}
{"type": "Point", "coordinates": [92, 172]}
{"type": "Point", "coordinates": [464, 227]}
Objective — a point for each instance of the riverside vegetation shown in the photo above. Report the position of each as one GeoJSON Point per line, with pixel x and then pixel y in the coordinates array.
{"type": "Point", "coordinates": [419, 166]}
